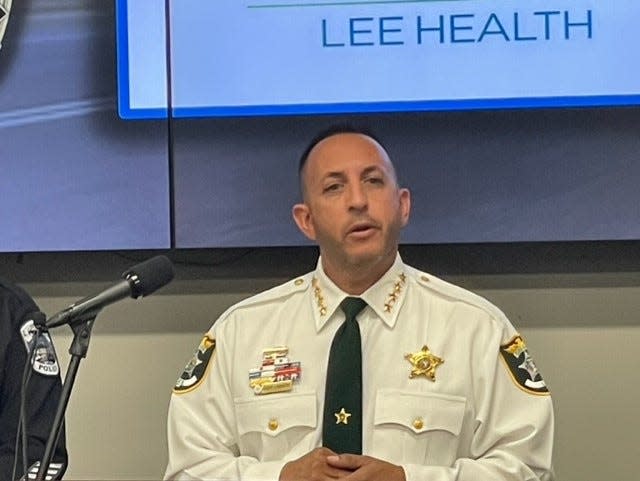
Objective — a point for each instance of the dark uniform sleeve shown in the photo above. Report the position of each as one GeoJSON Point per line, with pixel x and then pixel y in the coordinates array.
{"type": "Point", "coordinates": [43, 391]}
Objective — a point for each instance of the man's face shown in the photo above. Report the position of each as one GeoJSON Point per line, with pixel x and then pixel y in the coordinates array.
{"type": "Point", "coordinates": [352, 207]}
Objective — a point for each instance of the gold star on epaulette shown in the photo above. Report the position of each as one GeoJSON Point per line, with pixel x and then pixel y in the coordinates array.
{"type": "Point", "coordinates": [424, 363]}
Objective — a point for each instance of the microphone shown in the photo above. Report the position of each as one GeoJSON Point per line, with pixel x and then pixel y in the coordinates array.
{"type": "Point", "coordinates": [140, 280]}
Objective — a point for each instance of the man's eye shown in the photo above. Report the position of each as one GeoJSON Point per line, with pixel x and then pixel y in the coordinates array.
{"type": "Point", "coordinates": [332, 187]}
{"type": "Point", "coordinates": [375, 180]}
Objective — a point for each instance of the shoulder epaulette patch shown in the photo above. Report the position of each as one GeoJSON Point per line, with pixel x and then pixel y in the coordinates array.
{"type": "Point", "coordinates": [196, 368]}
{"type": "Point", "coordinates": [44, 360]}
{"type": "Point", "coordinates": [521, 367]}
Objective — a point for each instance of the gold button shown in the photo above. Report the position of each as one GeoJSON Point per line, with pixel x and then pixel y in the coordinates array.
{"type": "Point", "coordinates": [273, 424]}
{"type": "Point", "coordinates": [418, 423]}
{"type": "Point", "coordinates": [297, 282]}
{"type": "Point", "coordinates": [424, 278]}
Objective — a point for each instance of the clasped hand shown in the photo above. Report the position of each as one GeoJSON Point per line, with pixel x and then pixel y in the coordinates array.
{"type": "Point", "coordinates": [322, 464]}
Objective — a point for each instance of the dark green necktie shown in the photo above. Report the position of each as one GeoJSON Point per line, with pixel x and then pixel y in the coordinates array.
{"type": "Point", "coordinates": [342, 425]}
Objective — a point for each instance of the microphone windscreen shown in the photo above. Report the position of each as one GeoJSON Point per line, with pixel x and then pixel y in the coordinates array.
{"type": "Point", "coordinates": [149, 276]}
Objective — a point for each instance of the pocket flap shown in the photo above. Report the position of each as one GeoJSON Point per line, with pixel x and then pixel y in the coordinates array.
{"type": "Point", "coordinates": [420, 412]}
{"type": "Point", "coordinates": [273, 415]}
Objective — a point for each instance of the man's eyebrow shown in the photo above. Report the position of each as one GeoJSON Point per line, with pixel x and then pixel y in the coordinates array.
{"type": "Point", "coordinates": [338, 174]}
{"type": "Point", "coordinates": [334, 175]}
{"type": "Point", "coordinates": [373, 168]}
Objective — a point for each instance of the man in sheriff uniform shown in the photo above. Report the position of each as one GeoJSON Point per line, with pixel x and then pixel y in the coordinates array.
{"type": "Point", "coordinates": [439, 385]}
{"type": "Point", "coordinates": [17, 311]}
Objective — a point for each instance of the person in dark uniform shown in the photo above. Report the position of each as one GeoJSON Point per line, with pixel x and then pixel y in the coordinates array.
{"type": "Point", "coordinates": [43, 391]}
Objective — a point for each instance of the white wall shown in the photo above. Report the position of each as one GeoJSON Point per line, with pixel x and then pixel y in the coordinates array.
{"type": "Point", "coordinates": [583, 330]}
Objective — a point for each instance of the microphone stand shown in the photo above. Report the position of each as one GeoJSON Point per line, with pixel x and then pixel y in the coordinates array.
{"type": "Point", "coordinates": [78, 350]}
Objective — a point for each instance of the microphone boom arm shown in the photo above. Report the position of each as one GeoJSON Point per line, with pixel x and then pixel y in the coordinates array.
{"type": "Point", "coordinates": [89, 307]}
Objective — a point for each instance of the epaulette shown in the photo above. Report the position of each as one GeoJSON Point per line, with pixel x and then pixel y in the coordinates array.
{"type": "Point", "coordinates": [275, 294]}
{"type": "Point", "coordinates": [456, 293]}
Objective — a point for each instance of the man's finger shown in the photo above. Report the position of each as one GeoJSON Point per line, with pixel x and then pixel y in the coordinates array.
{"type": "Point", "coordinates": [346, 461]}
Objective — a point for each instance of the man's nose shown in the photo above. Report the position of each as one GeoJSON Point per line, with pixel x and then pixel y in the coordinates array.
{"type": "Point", "coordinates": [357, 197]}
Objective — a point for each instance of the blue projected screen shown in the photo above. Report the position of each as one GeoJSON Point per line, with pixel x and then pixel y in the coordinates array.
{"type": "Point", "coordinates": [73, 175]}
{"type": "Point", "coordinates": [247, 57]}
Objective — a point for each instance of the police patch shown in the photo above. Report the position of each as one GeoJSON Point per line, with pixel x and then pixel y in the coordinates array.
{"type": "Point", "coordinates": [44, 356]}
{"type": "Point", "coordinates": [521, 367]}
{"type": "Point", "coordinates": [196, 368]}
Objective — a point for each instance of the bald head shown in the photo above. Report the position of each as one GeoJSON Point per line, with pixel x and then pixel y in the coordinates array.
{"type": "Point", "coordinates": [338, 142]}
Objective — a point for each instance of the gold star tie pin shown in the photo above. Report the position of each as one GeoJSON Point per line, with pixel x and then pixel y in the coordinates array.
{"type": "Point", "coordinates": [424, 363]}
{"type": "Point", "coordinates": [342, 417]}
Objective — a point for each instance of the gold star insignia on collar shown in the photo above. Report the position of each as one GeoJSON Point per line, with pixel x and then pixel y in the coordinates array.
{"type": "Point", "coordinates": [424, 363]}
{"type": "Point", "coordinates": [342, 417]}
{"type": "Point", "coordinates": [320, 302]}
{"type": "Point", "coordinates": [392, 297]}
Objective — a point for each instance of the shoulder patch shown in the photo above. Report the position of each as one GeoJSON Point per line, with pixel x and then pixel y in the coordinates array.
{"type": "Point", "coordinates": [44, 356]}
{"type": "Point", "coordinates": [196, 368]}
{"type": "Point", "coordinates": [521, 367]}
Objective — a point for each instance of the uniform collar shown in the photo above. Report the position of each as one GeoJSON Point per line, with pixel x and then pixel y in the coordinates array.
{"type": "Point", "coordinates": [385, 297]}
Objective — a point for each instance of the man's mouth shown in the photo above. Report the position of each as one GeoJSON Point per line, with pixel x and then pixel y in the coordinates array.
{"type": "Point", "coordinates": [362, 229]}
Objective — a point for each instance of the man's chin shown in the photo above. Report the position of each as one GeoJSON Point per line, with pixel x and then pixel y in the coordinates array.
{"type": "Point", "coordinates": [364, 257]}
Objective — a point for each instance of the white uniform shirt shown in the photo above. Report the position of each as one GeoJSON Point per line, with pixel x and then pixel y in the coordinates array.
{"type": "Point", "coordinates": [475, 421]}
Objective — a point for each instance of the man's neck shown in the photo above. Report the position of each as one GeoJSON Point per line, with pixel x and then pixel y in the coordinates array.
{"type": "Point", "coordinates": [356, 279]}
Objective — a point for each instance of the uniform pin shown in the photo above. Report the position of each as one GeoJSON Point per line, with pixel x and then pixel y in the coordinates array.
{"type": "Point", "coordinates": [342, 417]}
{"type": "Point", "coordinates": [276, 373]}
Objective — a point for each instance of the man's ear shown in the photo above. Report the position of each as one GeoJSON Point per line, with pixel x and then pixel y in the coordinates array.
{"type": "Point", "coordinates": [302, 217]}
{"type": "Point", "coordinates": [405, 205]}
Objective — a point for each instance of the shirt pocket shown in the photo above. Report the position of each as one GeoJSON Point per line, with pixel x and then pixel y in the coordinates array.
{"type": "Point", "coordinates": [270, 427]}
{"type": "Point", "coordinates": [417, 428]}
